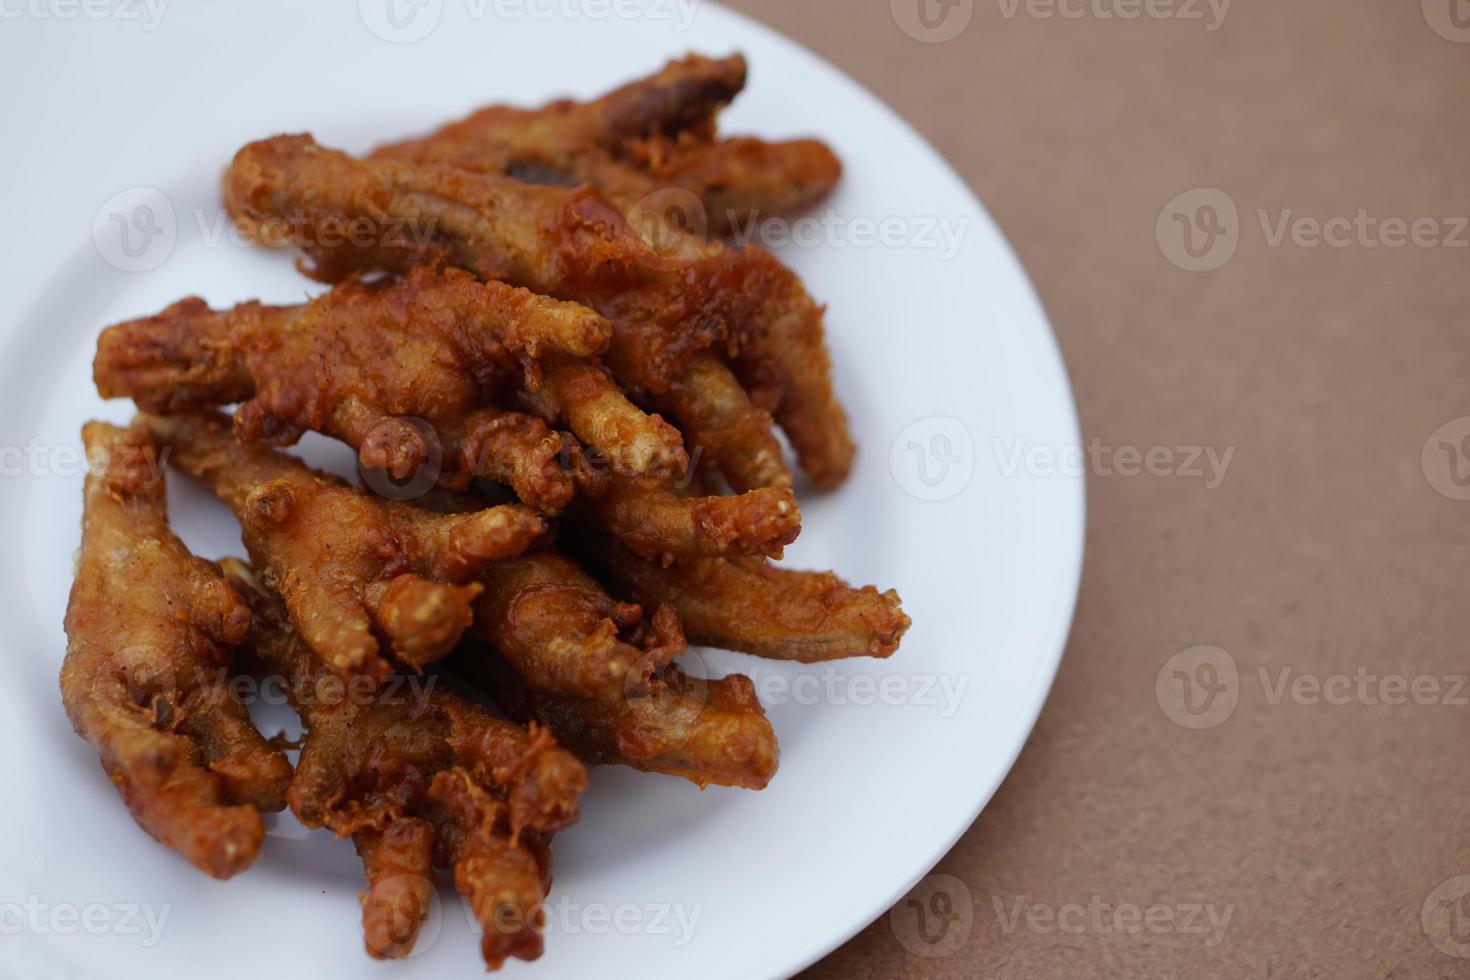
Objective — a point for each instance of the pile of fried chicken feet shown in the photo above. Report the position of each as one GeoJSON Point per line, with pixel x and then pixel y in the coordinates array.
{"type": "Point", "coordinates": [535, 304]}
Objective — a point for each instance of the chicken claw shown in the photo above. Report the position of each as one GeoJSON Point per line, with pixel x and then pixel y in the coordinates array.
{"type": "Point", "coordinates": [418, 781]}
{"type": "Point", "coordinates": [151, 630]}
{"type": "Point", "coordinates": [351, 566]}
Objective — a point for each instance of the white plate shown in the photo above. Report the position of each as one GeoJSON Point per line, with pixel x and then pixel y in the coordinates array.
{"type": "Point", "coordinates": [944, 358]}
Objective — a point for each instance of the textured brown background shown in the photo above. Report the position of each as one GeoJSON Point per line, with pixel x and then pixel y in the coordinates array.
{"type": "Point", "coordinates": [1325, 550]}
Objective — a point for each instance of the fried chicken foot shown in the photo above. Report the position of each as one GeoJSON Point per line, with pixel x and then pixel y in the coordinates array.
{"type": "Point", "coordinates": [651, 134]}
{"type": "Point", "coordinates": [397, 371]}
{"type": "Point", "coordinates": [365, 361]}
{"type": "Point", "coordinates": [708, 732]}
{"type": "Point", "coordinates": [150, 631]}
{"type": "Point", "coordinates": [352, 567]}
{"type": "Point", "coordinates": [422, 780]}
{"type": "Point", "coordinates": [662, 525]}
{"type": "Point", "coordinates": [740, 180]}
{"type": "Point", "coordinates": [547, 621]}
{"type": "Point", "coordinates": [563, 634]}
{"type": "Point", "coordinates": [750, 605]}
{"type": "Point", "coordinates": [574, 245]}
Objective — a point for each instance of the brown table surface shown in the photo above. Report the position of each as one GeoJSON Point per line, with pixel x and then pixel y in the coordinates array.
{"type": "Point", "coordinates": [1326, 821]}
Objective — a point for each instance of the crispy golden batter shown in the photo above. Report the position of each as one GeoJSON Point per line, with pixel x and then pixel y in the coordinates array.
{"type": "Point", "coordinates": [553, 629]}
{"type": "Point", "coordinates": [563, 634]}
{"type": "Point", "coordinates": [711, 732]}
{"type": "Point", "coordinates": [575, 245]}
{"type": "Point", "coordinates": [151, 631]}
{"type": "Point", "coordinates": [739, 180]}
{"type": "Point", "coordinates": [661, 525]}
{"type": "Point", "coordinates": [420, 779]}
{"type": "Point", "coordinates": [400, 370]}
{"type": "Point", "coordinates": [750, 605]}
{"type": "Point", "coordinates": [367, 361]}
{"type": "Point", "coordinates": [352, 567]}
{"type": "Point", "coordinates": [651, 134]}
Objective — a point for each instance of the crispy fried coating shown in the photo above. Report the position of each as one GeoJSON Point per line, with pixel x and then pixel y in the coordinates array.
{"type": "Point", "coordinates": [552, 629]}
{"type": "Point", "coordinates": [726, 426]}
{"type": "Point", "coordinates": [352, 567]}
{"type": "Point", "coordinates": [651, 134]}
{"type": "Point", "coordinates": [420, 779]}
{"type": "Point", "coordinates": [369, 363]}
{"type": "Point", "coordinates": [711, 732]}
{"type": "Point", "coordinates": [563, 634]}
{"type": "Point", "coordinates": [662, 525]}
{"type": "Point", "coordinates": [739, 180]}
{"type": "Point", "coordinates": [397, 370]}
{"type": "Point", "coordinates": [575, 245]}
{"type": "Point", "coordinates": [150, 632]}
{"type": "Point", "coordinates": [750, 605]}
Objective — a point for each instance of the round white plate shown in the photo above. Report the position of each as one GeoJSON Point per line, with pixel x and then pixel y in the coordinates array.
{"type": "Point", "coordinates": [962, 498]}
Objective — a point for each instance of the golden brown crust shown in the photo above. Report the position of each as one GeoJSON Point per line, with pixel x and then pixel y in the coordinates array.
{"type": "Point", "coordinates": [643, 138]}
{"type": "Point", "coordinates": [561, 631]}
{"type": "Point", "coordinates": [750, 605]}
{"type": "Point", "coordinates": [661, 525]}
{"type": "Point", "coordinates": [660, 720]}
{"type": "Point", "coordinates": [665, 308]}
{"type": "Point", "coordinates": [711, 732]}
{"type": "Point", "coordinates": [420, 780]}
{"type": "Point", "coordinates": [352, 567]}
{"type": "Point", "coordinates": [393, 368]}
{"type": "Point", "coordinates": [150, 631]}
